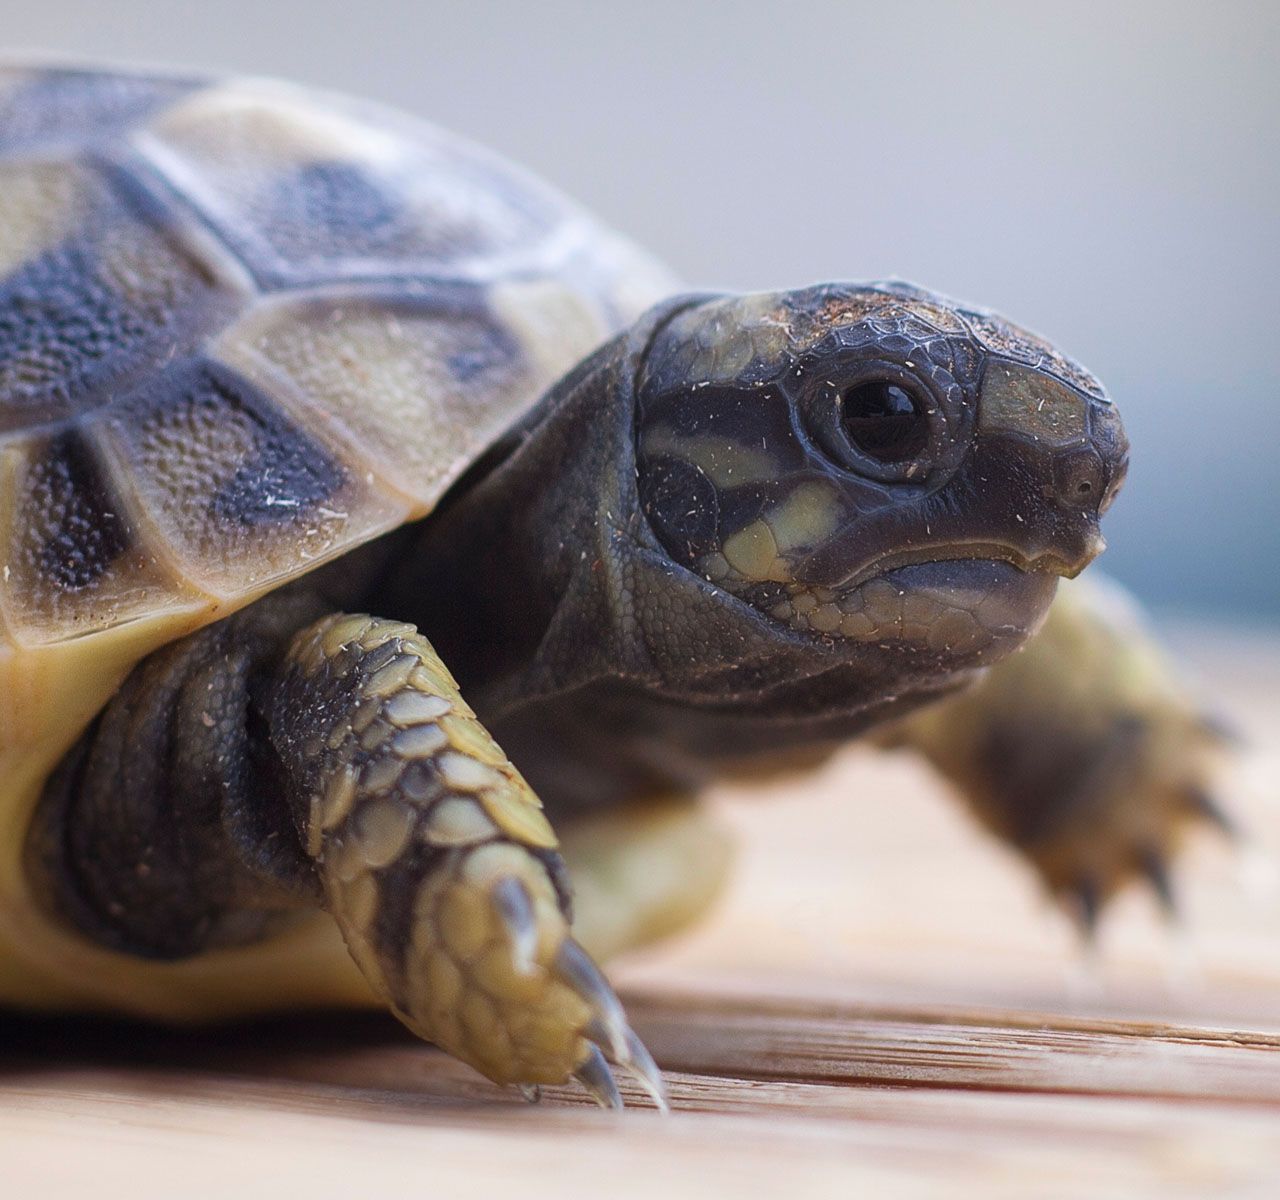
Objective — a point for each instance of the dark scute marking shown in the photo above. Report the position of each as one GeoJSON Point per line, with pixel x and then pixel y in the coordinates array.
{"type": "Point", "coordinates": [81, 106]}
{"type": "Point", "coordinates": [486, 347]}
{"type": "Point", "coordinates": [329, 212]}
{"type": "Point", "coordinates": [337, 200]}
{"type": "Point", "coordinates": [83, 531]}
{"type": "Point", "coordinates": [107, 304]}
{"type": "Point", "coordinates": [58, 321]}
{"type": "Point", "coordinates": [331, 219]}
{"type": "Point", "coordinates": [284, 473]}
{"type": "Point", "coordinates": [289, 473]}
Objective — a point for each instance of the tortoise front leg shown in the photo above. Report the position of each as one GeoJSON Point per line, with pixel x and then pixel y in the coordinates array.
{"type": "Point", "coordinates": [437, 862]}
{"type": "Point", "coordinates": [1083, 750]}
{"type": "Point", "coordinates": [250, 772]}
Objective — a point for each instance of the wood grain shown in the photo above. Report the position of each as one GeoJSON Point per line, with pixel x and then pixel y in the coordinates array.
{"type": "Point", "coordinates": [883, 1006]}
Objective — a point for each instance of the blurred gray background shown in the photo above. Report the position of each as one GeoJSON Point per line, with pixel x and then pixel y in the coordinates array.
{"type": "Point", "coordinates": [1105, 173]}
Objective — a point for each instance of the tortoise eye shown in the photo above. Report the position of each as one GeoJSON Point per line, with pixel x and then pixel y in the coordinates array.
{"type": "Point", "coordinates": [884, 421]}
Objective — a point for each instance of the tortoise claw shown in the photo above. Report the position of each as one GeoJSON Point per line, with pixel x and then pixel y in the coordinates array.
{"type": "Point", "coordinates": [640, 1063]}
{"type": "Point", "coordinates": [612, 1039]}
{"type": "Point", "coordinates": [531, 1092]}
{"type": "Point", "coordinates": [1156, 871]}
{"type": "Point", "coordinates": [595, 1076]}
{"type": "Point", "coordinates": [608, 1024]}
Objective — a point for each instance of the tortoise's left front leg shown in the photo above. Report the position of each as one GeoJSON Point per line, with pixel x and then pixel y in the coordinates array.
{"type": "Point", "coordinates": [1083, 750]}
{"type": "Point", "coordinates": [437, 862]}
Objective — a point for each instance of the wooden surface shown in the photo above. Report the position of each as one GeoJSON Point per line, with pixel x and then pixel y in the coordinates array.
{"type": "Point", "coordinates": [882, 1007]}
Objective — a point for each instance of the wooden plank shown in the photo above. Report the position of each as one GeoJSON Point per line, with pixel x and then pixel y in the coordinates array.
{"type": "Point", "coordinates": [331, 1108]}
{"type": "Point", "coordinates": [998, 1051]}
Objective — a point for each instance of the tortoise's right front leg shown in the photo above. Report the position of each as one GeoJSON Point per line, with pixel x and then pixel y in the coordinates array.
{"type": "Point", "coordinates": [437, 861]}
{"type": "Point", "coordinates": [1083, 750]}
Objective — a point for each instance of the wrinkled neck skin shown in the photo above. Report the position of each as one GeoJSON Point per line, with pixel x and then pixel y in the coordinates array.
{"type": "Point", "coordinates": [605, 669]}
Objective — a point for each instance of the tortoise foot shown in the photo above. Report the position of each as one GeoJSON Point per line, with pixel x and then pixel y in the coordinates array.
{"type": "Point", "coordinates": [1086, 752]}
{"type": "Point", "coordinates": [494, 976]}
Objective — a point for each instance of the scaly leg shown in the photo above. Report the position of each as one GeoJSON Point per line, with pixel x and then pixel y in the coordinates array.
{"type": "Point", "coordinates": [1082, 750]}
{"type": "Point", "coordinates": [437, 861]}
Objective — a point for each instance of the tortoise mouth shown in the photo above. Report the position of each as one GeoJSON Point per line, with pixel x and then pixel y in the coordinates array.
{"type": "Point", "coordinates": [1043, 562]}
{"type": "Point", "coordinates": [964, 609]}
{"type": "Point", "coordinates": [1004, 597]}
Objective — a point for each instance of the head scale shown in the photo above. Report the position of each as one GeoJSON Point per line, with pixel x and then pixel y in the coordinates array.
{"type": "Point", "coordinates": [875, 465]}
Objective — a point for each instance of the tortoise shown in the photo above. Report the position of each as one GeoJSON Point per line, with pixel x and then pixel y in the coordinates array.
{"type": "Point", "coordinates": [290, 384]}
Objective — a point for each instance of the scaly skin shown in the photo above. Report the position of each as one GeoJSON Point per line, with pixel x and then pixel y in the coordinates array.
{"type": "Point", "coordinates": [437, 861]}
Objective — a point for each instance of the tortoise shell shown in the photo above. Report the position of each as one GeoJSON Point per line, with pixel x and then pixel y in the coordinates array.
{"type": "Point", "coordinates": [245, 327]}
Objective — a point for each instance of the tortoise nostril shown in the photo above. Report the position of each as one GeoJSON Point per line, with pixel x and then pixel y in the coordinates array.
{"type": "Point", "coordinates": [1078, 476]}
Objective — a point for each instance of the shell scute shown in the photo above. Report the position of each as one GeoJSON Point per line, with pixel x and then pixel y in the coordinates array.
{"type": "Point", "coordinates": [309, 193]}
{"type": "Point", "coordinates": [81, 532]}
{"type": "Point", "coordinates": [240, 492]}
{"type": "Point", "coordinates": [94, 294]}
{"type": "Point", "coordinates": [363, 363]}
{"type": "Point", "coordinates": [72, 552]}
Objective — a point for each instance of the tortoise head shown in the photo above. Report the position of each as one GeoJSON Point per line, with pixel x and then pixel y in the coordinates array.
{"type": "Point", "coordinates": [875, 465]}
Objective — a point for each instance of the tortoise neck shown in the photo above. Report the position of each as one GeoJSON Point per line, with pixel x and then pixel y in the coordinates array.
{"type": "Point", "coordinates": [524, 551]}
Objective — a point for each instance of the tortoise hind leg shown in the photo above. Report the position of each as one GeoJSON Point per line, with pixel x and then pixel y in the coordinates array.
{"type": "Point", "coordinates": [643, 871]}
{"type": "Point", "coordinates": [154, 837]}
{"type": "Point", "coordinates": [1082, 750]}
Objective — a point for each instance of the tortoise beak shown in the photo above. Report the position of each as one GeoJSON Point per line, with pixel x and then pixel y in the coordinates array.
{"type": "Point", "coordinates": [1069, 560]}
